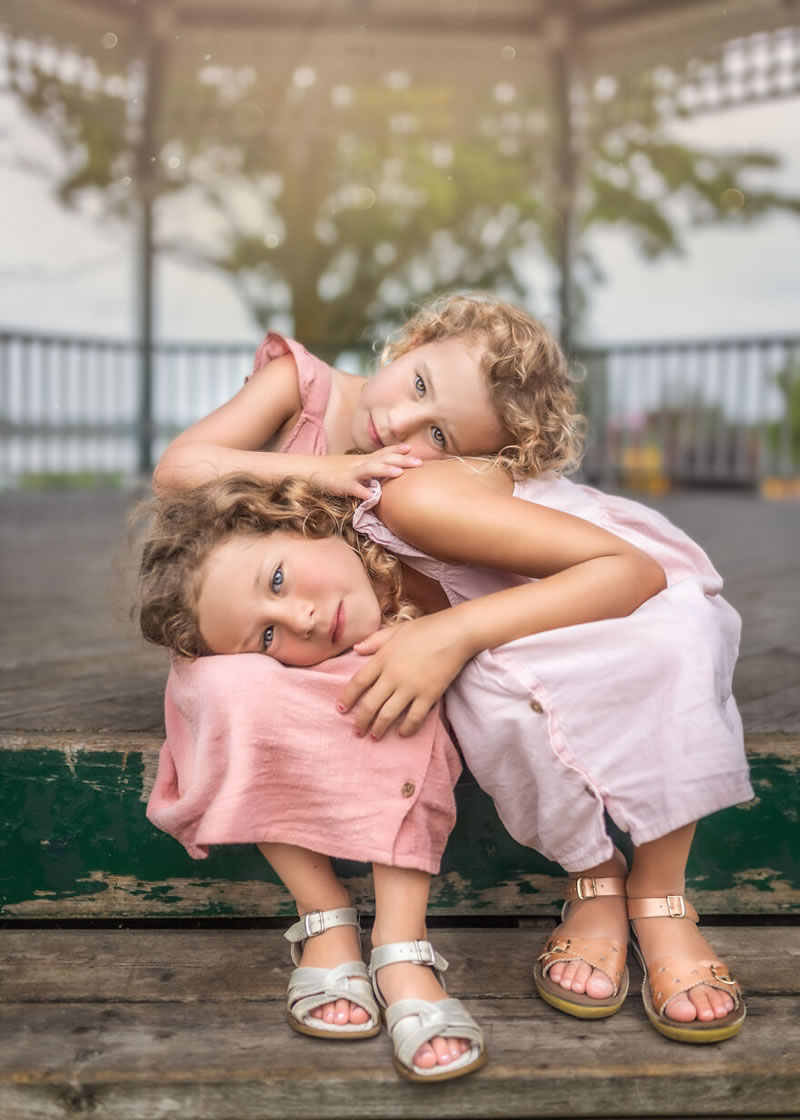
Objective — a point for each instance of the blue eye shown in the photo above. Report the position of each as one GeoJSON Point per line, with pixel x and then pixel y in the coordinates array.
{"type": "Point", "coordinates": [419, 385]}
{"type": "Point", "coordinates": [277, 580]}
{"type": "Point", "coordinates": [266, 637]}
{"type": "Point", "coordinates": [438, 437]}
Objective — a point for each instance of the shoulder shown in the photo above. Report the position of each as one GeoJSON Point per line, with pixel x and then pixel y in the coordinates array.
{"type": "Point", "coordinates": [279, 377]}
{"type": "Point", "coordinates": [438, 478]}
{"type": "Point", "coordinates": [439, 494]}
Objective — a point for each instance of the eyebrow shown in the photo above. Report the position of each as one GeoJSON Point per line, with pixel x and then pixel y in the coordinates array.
{"type": "Point", "coordinates": [448, 431]}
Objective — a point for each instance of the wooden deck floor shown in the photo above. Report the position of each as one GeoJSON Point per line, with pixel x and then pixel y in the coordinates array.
{"type": "Point", "coordinates": [164, 1024]}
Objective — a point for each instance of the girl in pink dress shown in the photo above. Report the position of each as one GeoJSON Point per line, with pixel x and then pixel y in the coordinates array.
{"type": "Point", "coordinates": [240, 726]}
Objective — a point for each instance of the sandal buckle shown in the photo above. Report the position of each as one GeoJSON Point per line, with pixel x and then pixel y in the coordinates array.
{"type": "Point", "coordinates": [314, 923]}
{"type": "Point", "coordinates": [676, 905]}
{"type": "Point", "coordinates": [426, 954]}
{"type": "Point", "coordinates": [582, 891]}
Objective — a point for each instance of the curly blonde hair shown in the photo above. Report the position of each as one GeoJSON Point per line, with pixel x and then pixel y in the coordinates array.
{"type": "Point", "coordinates": [529, 380]}
{"type": "Point", "coordinates": [185, 527]}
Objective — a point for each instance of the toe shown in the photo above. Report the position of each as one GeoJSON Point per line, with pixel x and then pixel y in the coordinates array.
{"type": "Point", "coordinates": [568, 975]}
{"type": "Point", "coordinates": [358, 1014]}
{"type": "Point", "coordinates": [681, 1009]}
{"type": "Point", "coordinates": [441, 1047]}
{"type": "Point", "coordinates": [425, 1057]}
{"type": "Point", "coordinates": [556, 973]}
{"type": "Point", "coordinates": [599, 986]}
{"type": "Point", "coordinates": [711, 1003]}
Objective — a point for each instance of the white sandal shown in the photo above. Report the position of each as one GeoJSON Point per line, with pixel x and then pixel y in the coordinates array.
{"type": "Point", "coordinates": [310, 988]}
{"type": "Point", "coordinates": [413, 1022]}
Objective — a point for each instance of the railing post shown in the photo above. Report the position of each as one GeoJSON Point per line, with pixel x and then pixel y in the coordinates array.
{"type": "Point", "coordinates": [155, 29]}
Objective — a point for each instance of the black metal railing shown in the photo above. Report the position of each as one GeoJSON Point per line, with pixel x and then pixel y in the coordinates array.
{"type": "Point", "coordinates": [724, 411]}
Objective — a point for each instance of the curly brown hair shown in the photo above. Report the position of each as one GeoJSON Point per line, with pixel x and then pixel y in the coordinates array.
{"type": "Point", "coordinates": [529, 380]}
{"type": "Point", "coordinates": [185, 527]}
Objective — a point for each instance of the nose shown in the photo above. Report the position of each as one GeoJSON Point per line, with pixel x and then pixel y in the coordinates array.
{"type": "Point", "coordinates": [403, 421]}
{"type": "Point", "coordinates": [300, 617]}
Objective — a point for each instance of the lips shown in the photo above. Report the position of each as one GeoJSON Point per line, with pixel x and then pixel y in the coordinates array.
{"type": "Point", "coordinates": [337, 626]}
{"type": "Point", "coordinates": [372, 432]}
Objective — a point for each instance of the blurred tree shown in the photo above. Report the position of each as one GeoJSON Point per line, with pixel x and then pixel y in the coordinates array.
{"type": "Point", "coordinates": [342, 206]}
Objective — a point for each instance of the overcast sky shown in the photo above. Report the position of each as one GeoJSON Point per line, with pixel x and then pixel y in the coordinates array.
{"type": "Point", "coordinates": [60, 273]}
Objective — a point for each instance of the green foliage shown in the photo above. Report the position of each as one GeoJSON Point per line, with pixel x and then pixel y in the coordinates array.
{"type": "Point", "coordinates": [344, 211]}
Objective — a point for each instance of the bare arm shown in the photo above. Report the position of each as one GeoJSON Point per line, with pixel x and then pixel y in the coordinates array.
{"type": "Point", "coordinates": [229, 440]}
{"type": "Point", "coordinates": [583, 573]}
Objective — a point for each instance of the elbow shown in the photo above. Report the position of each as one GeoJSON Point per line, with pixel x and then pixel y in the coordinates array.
{"type": "Point", "coordinates": [650, 577]}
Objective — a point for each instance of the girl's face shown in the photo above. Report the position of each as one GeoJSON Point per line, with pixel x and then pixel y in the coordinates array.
{"type": "Point", "coordinates": [300, 601]}
{"type": "Point", "coordinates": [435, 399]}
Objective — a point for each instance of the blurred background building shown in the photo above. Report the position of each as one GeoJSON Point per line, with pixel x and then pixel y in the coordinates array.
{"type": "Point", "coordinates": [181, 174]}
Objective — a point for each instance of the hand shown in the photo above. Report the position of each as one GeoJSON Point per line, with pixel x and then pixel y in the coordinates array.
{"type": "Point", "coordinates": [413, 665]}
{"type": "Point", "coordinates": [347, 474]}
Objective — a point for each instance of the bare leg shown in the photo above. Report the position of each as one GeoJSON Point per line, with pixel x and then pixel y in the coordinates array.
{"type": "Point", "coordinates": [596, 917]}
{"type": "Point", "coordinates": [401, 900]}
{"type": "Point", "coordinates": [313, 884]}
{"type": "Point", "coordinates": [659, 869]}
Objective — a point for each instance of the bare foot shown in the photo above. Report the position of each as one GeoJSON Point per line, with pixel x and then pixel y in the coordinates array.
{"type": "Point", "coordinates": [327, 950]}
{"type": "Point", "coordinates": [411, 981]}
{"type": "Point", "coordinates": [681, 939]}
{"type": "Point", "coordinates": [595, 917]}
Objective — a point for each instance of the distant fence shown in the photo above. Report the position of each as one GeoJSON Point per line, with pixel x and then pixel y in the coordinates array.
{"type": "Point", "coordinates": [720, 412]}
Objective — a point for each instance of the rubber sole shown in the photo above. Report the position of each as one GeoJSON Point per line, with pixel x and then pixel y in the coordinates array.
{"type": "Point", "coordinates": [696, 1034]}
{"type": "Point", "coordinates": [332, 1035]}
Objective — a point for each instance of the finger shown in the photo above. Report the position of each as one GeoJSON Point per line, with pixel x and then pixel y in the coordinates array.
{"type": "Point", "coordinates": [406, 459]}
{"type": "Point", "coordinates": [364, 679]}
{"type": "Point", "coordinates": [370, 704]}
{"type": "Point", "coordinates": [359, 490]}
{"type": "Point", "coordinates": [374, 642]}
{"type": "Point", "coordinates": [389, 713]}
{"type": "Point", "coordinates": [415, 717]}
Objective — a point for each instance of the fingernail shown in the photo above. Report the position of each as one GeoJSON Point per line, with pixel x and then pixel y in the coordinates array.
{"type": "Point", "coordinates": [360, 733]}
{"type": "Point", "coordinates": [373, 737]}
{"type": "Point", "coordinates": [341, 708]}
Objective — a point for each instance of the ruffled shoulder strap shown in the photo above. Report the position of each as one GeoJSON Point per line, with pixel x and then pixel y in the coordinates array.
{"type": "Point", "coordinates": [367, 522]}
{"type": "Point", "coordinates": [313, 375]}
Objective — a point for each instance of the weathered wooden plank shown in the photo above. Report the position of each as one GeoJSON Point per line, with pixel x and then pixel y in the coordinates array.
{"type": "Point", "coordinates": [240, 1061]}
{"type": "Point", "coordinates": [74, 842]}
{"type": "Point", "coordinates": [228, 965]}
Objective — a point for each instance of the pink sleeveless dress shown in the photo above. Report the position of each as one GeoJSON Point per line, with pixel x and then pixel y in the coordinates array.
{"type": "Point", "coordinates": [255, 751]}
{"type": "Point", "coordinates": [633, 716]}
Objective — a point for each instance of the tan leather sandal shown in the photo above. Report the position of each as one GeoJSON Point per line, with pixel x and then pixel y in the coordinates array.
{"type": "Point", "coordinates": [602, 953]}
{"type": "Point", "coordinates": [310, 988]}
{"type": "Point", "coordinates": [668, 977]}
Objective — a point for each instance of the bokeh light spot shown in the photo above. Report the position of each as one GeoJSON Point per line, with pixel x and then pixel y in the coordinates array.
{"type": "Point", "coordinates": [732, 200]}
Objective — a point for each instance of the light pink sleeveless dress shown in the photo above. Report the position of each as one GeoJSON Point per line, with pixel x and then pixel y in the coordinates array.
{"type": "Point", "coordinates": [256, 752]}
{"type": "Point", "coordinates": [633, 715]}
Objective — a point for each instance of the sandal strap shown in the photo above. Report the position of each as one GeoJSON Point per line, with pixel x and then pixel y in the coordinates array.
{"type": "Point", "coordinates": [603, 953]}
{"type": "Point", "coordinates": [670, 906]}
{"type": "Point", "coordinates": [316, 922]}
{"type": "Point", "coordinates": [310, 988]}
{"type": "Point", "coordinates": [670, 976]}
{"type": "Point", "coordinates": [413, 1022]}
{"type": "Point", "coordinates": [413, 952]}
{"type": "Point", "coordinates": [587, 887]}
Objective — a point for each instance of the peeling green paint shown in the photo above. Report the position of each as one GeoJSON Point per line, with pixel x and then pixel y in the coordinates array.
{"type": "Point", "coordinates": [74, 841]}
